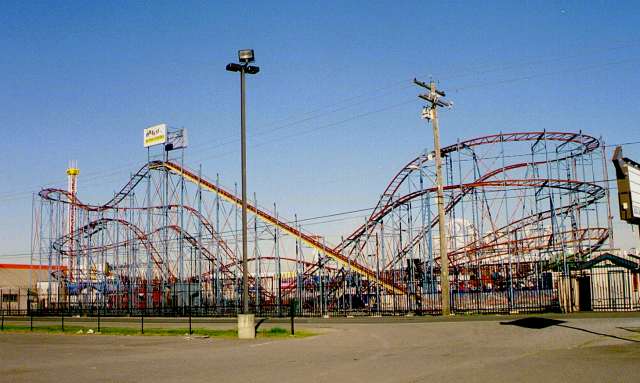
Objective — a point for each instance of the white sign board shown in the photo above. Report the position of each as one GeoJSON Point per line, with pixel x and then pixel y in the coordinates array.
{"type": "Point", "coordinates": [155, 135]}
{"type": "Point", "coordinates": [177, 139]}
{"type": "Point", "coordinates": [634, 189]}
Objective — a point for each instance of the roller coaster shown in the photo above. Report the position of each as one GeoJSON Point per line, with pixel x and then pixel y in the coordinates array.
{"type": "Point", "coordinates": [519, 206]}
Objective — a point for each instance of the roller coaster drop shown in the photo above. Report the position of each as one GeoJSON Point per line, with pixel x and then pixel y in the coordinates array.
{"type": "Point", "coordinates": [518, 206]}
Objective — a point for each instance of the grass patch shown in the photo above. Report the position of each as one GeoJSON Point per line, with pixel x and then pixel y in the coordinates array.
{"type": "Point", "coordinates": [274, 332]}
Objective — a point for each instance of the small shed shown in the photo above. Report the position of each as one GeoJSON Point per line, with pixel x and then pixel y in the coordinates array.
{"type": "Point", "coordinates": [609, 283]}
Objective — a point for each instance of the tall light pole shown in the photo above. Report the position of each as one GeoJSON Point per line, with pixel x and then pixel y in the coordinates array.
{"type": "Point", "coordinates": [435, 99]}
{"type": "Point", "coordinates": [245, 56]}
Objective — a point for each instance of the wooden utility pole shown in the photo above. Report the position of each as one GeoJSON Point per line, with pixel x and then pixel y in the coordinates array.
{"type": "Point", "coordinates": [434, 97]}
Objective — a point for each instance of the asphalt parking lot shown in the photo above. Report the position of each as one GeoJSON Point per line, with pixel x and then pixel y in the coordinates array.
{"type": "Point", "coordinates": [495, 348]}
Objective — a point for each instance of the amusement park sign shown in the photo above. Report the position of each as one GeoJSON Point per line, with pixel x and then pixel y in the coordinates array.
{"type": "Point", "coordinates": [628, 179]}
{"type": "Point", "coordinates": [634, 189]}
{"type": "Point", "coordinates": [155, 135]}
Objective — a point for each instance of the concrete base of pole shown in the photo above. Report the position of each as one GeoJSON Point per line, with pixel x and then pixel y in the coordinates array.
{"type": "Point", "coordinates": [246, 326]}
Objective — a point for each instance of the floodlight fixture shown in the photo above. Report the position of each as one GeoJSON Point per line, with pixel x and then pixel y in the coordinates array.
{"type": "Point", "coordinates": [233, 67]}
{"type": "Point", "coordinates": [246, 56]}
{"type": "Point", "coordinates": [251, 69]}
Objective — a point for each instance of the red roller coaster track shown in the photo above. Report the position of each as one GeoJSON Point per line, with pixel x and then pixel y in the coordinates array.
{"type": "Point", "coordinates": [491, 245]}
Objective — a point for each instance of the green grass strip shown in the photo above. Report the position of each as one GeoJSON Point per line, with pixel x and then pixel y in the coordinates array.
{"type": "Point", "coordinates": [274, 332]}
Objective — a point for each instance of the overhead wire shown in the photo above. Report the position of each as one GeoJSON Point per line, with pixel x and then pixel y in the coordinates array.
{"type": "Point", "coordinates": [8, 196]}
{"type": "Point", "coordinates": [230, 234]}
{"type": "Point", "coordinates": [366, 96]}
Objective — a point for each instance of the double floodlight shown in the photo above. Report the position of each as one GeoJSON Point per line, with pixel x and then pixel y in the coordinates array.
{"type": "Point", "coordinates": [245, 56]}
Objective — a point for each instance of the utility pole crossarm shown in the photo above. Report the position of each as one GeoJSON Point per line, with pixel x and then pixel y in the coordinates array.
{"type": "Point", "coordinates": [436, 100]}
{"type": "Point", "coordinates": [428, 87]}
{"type": "Point", "coordinates": [434, 96]}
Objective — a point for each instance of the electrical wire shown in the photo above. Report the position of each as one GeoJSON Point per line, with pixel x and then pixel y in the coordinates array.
{"type": "Point", "coordinates": [367, 96]}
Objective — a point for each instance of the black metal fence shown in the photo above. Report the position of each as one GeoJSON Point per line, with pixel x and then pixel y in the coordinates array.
{"type": "Point", "coordinates": [492, 290]}
{"type": "Point", "coordinates": [321, 301]}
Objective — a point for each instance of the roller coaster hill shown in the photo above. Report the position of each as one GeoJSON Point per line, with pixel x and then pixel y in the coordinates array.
{"type": "Point", "coordinates": [522, 209]}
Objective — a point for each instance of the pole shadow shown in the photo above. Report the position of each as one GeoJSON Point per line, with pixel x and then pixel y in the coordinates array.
{"type": "Point", "coordinates": [538, 323]}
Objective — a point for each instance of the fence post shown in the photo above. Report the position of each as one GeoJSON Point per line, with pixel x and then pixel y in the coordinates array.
{"type": "Point", "coordinates": [142, 322]}
{"type": "Point", "coordinates": [189, 286]}
{"type": "Point", "coordinates": [292, 313]}
{"type": "Point", "coordinates": [29, 310]}
{"type": "Point", "coordinates": [98, 317]}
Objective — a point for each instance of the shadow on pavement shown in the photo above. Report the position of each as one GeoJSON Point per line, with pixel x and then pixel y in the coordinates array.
{"type": "Point", "coordinates": [540, 323]}
{"type": "Point", "coordinates": [534, 322]}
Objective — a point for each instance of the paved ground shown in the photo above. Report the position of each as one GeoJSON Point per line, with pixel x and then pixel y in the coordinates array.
{"type": "Point", "coordinates": [579, 349]}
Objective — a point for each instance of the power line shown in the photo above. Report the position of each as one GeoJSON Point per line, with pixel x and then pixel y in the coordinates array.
{"type": "Point", "coordinates": [553, 73]}
{"type": "Point", "coordinates": [24, 195]}
{"type": "Point", "coordinates": [230, 234]}
{"type": "Point", "coordinates": [362, 98]}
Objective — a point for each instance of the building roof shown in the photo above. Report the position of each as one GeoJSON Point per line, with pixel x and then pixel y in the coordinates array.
{"type": "Point", "coordinates": [22, 276]}
{"type": "Point", "coordinates": [618, 261]}
{"type": "Point", "coordinates": [19, 266]}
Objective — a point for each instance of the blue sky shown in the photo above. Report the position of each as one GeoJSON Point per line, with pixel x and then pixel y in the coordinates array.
{"type": "Point", "coordinates": [332, 114]}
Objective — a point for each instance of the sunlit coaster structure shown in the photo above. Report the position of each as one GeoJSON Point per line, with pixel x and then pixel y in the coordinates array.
{"type": "Point", "coordinates": [519, 208]}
